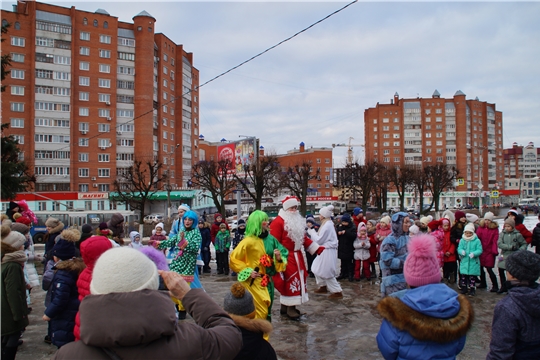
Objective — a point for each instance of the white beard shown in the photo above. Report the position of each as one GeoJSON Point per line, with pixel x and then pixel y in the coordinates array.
{"type": "Point", "coordinates": [295, 226]}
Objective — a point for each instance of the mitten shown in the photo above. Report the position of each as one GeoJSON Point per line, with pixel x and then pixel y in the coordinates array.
{"type": "Point", "coordinates": [320, 250]}
{"type": "Point", "coordinates": [463, 252]}
{"type": "Point", "coordinates": [471, 255]}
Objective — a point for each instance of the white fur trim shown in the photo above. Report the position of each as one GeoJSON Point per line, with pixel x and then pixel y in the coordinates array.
{"type": "Point", "coordinates": [327, 211]}
{"type": "Point", "coordinates": [312, 249]}
{"type": "Point", "coordinates": [287, 204]}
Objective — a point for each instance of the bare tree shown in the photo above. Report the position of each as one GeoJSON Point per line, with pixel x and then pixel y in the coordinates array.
{"type": "Point", "coordinates": [358, 180]}
{"type": "Point", "coordinates": [382, 184]}
{"type": "Point", "coordinates": [440, 177]}
{"type": "Point", "coordinates": [217, 178]}
{"type": "Point", "coordinates": [419, 185]}
{"type": "Point", "coordinates": [296, 178]}
{"type": "Point", "coordinates": [139, 183]}
{"type": "Point", "coordinates": [260, 179]}
{"type": "Point", "coordinates": [401, 178]}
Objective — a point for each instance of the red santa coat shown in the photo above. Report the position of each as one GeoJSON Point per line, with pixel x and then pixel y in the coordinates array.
{"type": "Point", "coordinates": [291, 283]}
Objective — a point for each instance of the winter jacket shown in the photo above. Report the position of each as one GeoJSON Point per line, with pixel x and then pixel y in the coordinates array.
{"type": "Point", "coordinates": [91, 250]}
{"type": "Point", "coordinates": [214, 230]}
{"type": "Point", "coordinates": [373, 247]}
{"type": "Point", "coordinates": [116, 225]}
{"type": "Point", "coordinates": [345, 246]}
{"type": "Point", "coordinates": [361, 249]}
{"type": "Point", "coordinates": [14, 310]}
{"type": "Point", "coordinates": [438, 236]}
{"type": "Point", "coordinates": [448, 247]}
{"type": "Point", "coordinates": [468, 265]}
{"type": "Point", "coordinates": [393, 256]}
{"type": "Point", "coordinates": [325, 264]}
{"type": "Point", "coordinates": [255, 347]}
{"type": "Point", "coordinates": [84, 237]}
{"type": "Point", "coordinates": [50, 240]}
{"type": "Point", "coordinates": [527, 235]}
{"type": "Point", "coordinates": [515, 333]}
{"type": "Point", "coordinates": [222, 241]}
{"type": "Point", "coordinates": [488, 235]}
{"type": "Point", "coordinates": [456, 232]}
{"type": "Point", "coordinates": [238, 236]}
{"type": "Point", "coordinates": [64, 300]}
{"type": "Point", "coordinates": [433, 319]}
{"type": "Point", "coordinates": [381, 234]}
{"type": "Point", "coordinates": [536, 238]}
{"type": "Point", "coordinates": [206, 239]}
{"type": "Point", "coordinates": [142, 325]}
{"type": "Point", "coordinates": [510, 242]}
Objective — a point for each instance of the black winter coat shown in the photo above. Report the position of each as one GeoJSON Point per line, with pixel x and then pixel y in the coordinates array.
{"type": "Point", "coordinates": [206, 239]}
{"type": "Point", "coordinates": [64, 300]}
{"type": "Point", "coordinates": [345, 246]}
{"type": "Point", "coordinates": [536, 238]}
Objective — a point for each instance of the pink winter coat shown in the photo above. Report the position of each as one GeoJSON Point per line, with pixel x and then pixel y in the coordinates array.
{"type": "Point", "coordinates": [488, 237]}
{"type": "Point", "coordinates": [439, 242]}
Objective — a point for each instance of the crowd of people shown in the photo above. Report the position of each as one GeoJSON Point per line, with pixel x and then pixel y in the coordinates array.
{"type": "Point", "coordinates": [425, 269]}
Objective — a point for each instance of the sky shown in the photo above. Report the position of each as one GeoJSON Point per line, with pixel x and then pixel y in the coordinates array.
{"type": "Point", "coordinates": [315, 87]}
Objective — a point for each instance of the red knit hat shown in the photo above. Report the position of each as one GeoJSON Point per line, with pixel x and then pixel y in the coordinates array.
{"type": "Point", "coordinates": [24, 220]}
{"type": "Point", "coordinates": [422, 266]}
{"type": "Point", "coordinates": [434, 224]}
{"type": "Point", "coordinates": [459, 214]}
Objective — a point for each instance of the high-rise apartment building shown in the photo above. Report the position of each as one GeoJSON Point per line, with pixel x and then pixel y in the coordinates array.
{"type": "Point", "coordinates": [463, 133]}
{"type": "Point", "coordinates": [87, 94]}
{"type": "Point", "coordinates": [522, 170]}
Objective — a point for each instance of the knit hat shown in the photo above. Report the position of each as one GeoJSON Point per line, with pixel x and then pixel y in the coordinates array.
{"type": "Point", "coordinates": [361, 226]}
{"type": "Point", "coordinates": [489, 216]}
{"type": "Point", "coordinates": [23, 229]}
{"type": "Point", "coordinates": [471, 217]}
{"type": "Point", "coordinates": [216, 215]}
{"type": "Point", "coordinates": [523, 265]}
{"type": "Point", "coordinates": [159, 225]}
{"type": "Point", "coordinates": [52, 222]}
{"type": "Point", "coordinates": [424, 220]}
{"type": "Point", "coordinates": [86, 228]}
{"type": "Point", "coordinates": [241, 222]}
{"type": "Point", "coordinates": [421, 266]}
{"type": "Point", "coordinates": [311, 220]}
{"type": "Point", "coordinates": [459, 215]}
{"type": "Point", "coordinates": [123, 269]}
{"type": "Point", "coordinates": [469, 227]}
{"type": "Point", "coordinates": [385, 220]}
{"type": "Point", "coordinates": [289, 202]}
{"type": "Point", "coordinates": [239, 302]}
{"type": "Point", "coordinates": [433, 225]}
{"type": "Point", "coordinates": [414, 230]}
{"type": "Point", "coordinates": [72, 235]}
{"type": "Point", "coordinates": [511, 222]}
{"type": "Point", "coordinates": [327, 211]}
{"type": "Point", "coordinates": [357, 211]}
{"type": "Point", "coordinates": [24, 220]}
{"type": "Point", "coordinates": [184, 207]}
{"type": "Point", "coordinates": [15, 239]}
{"type": "Point", "coordinates": [373, 222]}
{"type": "Point", "coordinates": [64, 249]}
{"type": "Point", "coordinates": [103, 226]}
{"type": "Point", "coordinates": [346, 217]}
{"type": "Point", "coordinates": [13, 205]}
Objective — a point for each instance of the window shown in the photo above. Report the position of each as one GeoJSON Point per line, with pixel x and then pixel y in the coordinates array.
{"type": "Point", "coordinates": [83, 126]}
{"type": "Point", "coordinates": [124, 113]}
{"type": "Point", "coordinates": [165, 135]}
{"type": "Point", "coordinates": [84, 35]}
{"type": "Point", "coordinates": [165, 70]}
{"type": "Point", "coordinates": [84, 111]}
{"type": "Point", "coordinates": [104, 172]}
{"type": "Point", "coordinates": [17, 90]}
{"type": "Point", "coordinates": [104, 83]}
{"type": "Point", "coordinates": [95, 23]}
{"type": "Point", "coordinates": [84, 96]}
{"type": "Point", "coordinates": [165, 148]}
{"type": "Point", "coordinates": [104, 158]}
{"type": "Point", "coordinates": [104, 128]}
{"type": "Point", "coordinates": [126, 42]}
{"type": "Point", "coordinates": [84, 81]}
{"type": "Point", "coordinates": [105, 25]}
{"type": "Point", "coordinates": [53, 27]}
{"type": "Point", "coordinates": [104, 68]}
{"type": "Point", "coordinates": [83, 142]}
{"type": "Point", "coordinates": [83, 65]}
{"type": "Point", "coordinates": [17, 41]}
{"type": "Point", "coordinates": [428, 135]}
{"type": "Point", "coordinates": [83, 157]}
{"type": "Point", "coordinates": [126, 56]}
{"type": "Point", "coordinates": [105, 54]}
{"type": "Point", "coordinates": [165, 83]}
{"type": "Point", "coordinates": [105, 39]}
{"type": "Point", "coordinates": [124, 157]}
{"type": "Point", "coordinates": [17, 74]}
{"type": "Point", "coordinates": [122, 84]}
{"type": "Point", "coordinates": [106, 98]}
{"type": "Point", "coordinates": [126, 70]}
{"type": "Point", "coordinates": [17, 123]}
{"type": "Point", "coordinates": [104, 143]}
{"type": "Point", "coordinates": [61, 75]}
{"type": "Point", "coordinates": [84, 172]}
{"type": "Point", "coordinates": [17, 57]}
{"type": "Point", "coordinates": [438, 119]}
{"type": "Point", "coordinates": [19, 138]}
{"type": "Point", "coordinates": [125, 142]}
{"type": "Point", "coordinates": [84, 51]}
{"type": "Point", "coordinates": [17, 107]}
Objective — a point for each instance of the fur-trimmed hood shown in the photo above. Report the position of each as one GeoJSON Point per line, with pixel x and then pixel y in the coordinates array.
{"type": "Point", "coordinates": [254, 325]}
{"type": "Point", "coordinates": [71, 235]}
{"type": "Point", "coordinates": [492, 224]}
{"type": "Point", "coordinates": [58, 228]}
{"type": "Point", "coordinates": [76, 265]}
{"type": "Point", "coordinates": [436, 327]}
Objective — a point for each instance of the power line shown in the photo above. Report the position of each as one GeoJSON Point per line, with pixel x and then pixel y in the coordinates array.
{"type": "Point", "coordinates": [227, 71]}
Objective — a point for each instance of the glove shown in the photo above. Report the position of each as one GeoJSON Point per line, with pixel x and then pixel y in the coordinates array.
{"type": "Point", "coordinates": [463, 252]}
{"type": "Point", "coordinates": [471, 255]}
{"type": "Point", "coordinates": [319, 250]}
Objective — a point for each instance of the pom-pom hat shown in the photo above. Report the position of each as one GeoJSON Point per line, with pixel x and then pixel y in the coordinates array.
{"type": "Point", "coordinates": [385, 220]}
{"type": "Point", "coordinates": [510, 221]}
{"type": "Point", "coordinates": [289, 202]}
{"type": "Point", "coordinates": [239, 301]}
{"type": "Point", "coordinates": [422, 266]}
{"type": "Point", "coordinates": [15, 239]}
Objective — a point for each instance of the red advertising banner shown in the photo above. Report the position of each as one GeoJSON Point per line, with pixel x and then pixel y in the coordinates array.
{"type": "Point", "coordinates": [241, 153]}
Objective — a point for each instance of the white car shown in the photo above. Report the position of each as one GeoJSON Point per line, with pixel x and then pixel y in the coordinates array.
{"type": "Point", "coordinates": [153, 218]}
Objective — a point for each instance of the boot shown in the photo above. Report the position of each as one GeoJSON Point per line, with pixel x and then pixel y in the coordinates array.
{"type": "Point", "coordinates": [283, 309]}
{"type": "Point", "coordinates": [338, 295]}
{"type": "Point", "coordinates": [321, 290]}
{"type": "Point", "coordinates": [452, 279]}
{"type": "Point", "coordinates": [9, 353]}
{"type": "Point", "coordinates": [292, 313]}
{"type": "Point", "coordinates": [472, 291]}
{"type": "Point", "coordinates": [494, 289]}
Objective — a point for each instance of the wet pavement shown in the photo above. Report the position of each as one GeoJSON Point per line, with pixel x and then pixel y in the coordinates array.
{"type": "Point", "coordinates": [331, 329]}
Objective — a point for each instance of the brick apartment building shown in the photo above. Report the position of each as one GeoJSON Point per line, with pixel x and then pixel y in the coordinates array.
{"type": "Point", "coordinates": [522, 170]}
{"type": "Point", "coordinates": [456, 131]}
{"type": "Point", "coordinates": [87, 94]}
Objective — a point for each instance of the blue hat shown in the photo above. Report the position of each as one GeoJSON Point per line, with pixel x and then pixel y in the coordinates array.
{"type": "Point", "coordinates": [346, 217]}
{"type": "Point", "coordinates": [357, 211]}
{"type": "Point", "coordinates": [64, 249]}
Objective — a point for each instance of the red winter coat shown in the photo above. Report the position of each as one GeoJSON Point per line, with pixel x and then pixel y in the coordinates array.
{"type": "Point", "coordinates": [450, 247]}
{"type": "Point", "coordinates": [357, 221]}
{"type": "Point", "coordinates": [527, 235]}
{"type": "Point", "coordinates": [373, 248]}
{"type": "Point", "coordinates": [91, 250]}
{"type": "Point", "coordinates": [215, 229]}
{"type": "Point", "coordinates": [488, 235]}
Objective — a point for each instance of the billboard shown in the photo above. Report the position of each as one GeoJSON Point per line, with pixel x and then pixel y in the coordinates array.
{"type": "Point", "coordinates": [242, 153]}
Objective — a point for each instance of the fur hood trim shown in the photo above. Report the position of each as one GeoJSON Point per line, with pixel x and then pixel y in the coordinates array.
{"type": "Point", "coordinates": [75, 264]}
{"type": "Point", "coordinates": [427, 328]}
{"type": "Point", "coordinates": [254, 325]}
{"type": "Point", "coordinates": [71, 235]}
{"type": "Point", "coordinates": [58, 228]}
{"type": "Point", "coordinates": [492, 225]}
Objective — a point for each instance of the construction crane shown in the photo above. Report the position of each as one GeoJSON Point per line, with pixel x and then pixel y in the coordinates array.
{"type": "Point", "coordinates": [349, 150]}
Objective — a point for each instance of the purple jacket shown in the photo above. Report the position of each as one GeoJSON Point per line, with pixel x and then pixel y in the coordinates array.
{"type": "Point", "coordinates": [488, 237]}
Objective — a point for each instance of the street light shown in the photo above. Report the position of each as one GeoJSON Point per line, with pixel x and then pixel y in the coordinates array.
{"type": "Point", "coordinates": [480, 182]}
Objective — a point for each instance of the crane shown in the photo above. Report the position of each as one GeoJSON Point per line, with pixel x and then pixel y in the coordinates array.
{"type": "Point", "coordinates": [350, 150]}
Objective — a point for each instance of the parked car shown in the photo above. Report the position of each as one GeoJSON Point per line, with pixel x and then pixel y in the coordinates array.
{"type": "Point", "coordinates": [153, 219]}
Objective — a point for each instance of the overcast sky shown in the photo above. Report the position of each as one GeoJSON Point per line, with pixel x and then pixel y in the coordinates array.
{"type": "Point", "coordinates": [315, 87]}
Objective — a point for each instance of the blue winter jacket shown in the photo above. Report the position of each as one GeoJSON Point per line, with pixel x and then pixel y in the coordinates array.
{"type": "Point", "coordinates": [64, 303]}
{"type": "Point", "coordinates": [393, 255]}
{"type": "Point", "coordinates": [428, 322]}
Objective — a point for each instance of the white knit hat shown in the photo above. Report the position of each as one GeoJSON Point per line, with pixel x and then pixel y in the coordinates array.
{"type": "Point", "coordinates": [489, 216]}
{"type": "Point", "coordinates": [469, 227]}
{"type": "Point", "coordinates": [327, 211]}
{"type": "Point", "coordinates": [385, 220]}
{"type": "Point", "coordinates": [471, 217]}
{"type": "Point", "coordinates": [123, 269]}
{"type": "Point", "coordinates": [414, 230]}
{"type": "Point", "coordinates": [15, 239]}
{"type": "Point", "coordinates": [424, 220]}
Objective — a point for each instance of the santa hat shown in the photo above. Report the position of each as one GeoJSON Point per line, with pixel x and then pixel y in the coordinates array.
{"type": "Point", "coordinates": [327, 211]}
{"type": "Point", "coordinates": [422, 266]}
{"type": "Point", "coordinates": [289, 202]}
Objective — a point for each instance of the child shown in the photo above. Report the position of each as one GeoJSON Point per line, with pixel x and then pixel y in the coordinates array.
{"type": "Point", "coordinates": [383, 230]}
{"type": "Point", "coordinates": [135, 240]}
{"type": "Point", "coordinates": [64, 299]}
{"type": "Point", "coordinates": [469, 250]}
{"type": "Point", "coordinates": [371, 230]}
{"type": "Point", "coordinates": [346, 233]}
{"type": "Point", "coordinates": [238, 236]}
{"type": "Point", "coordinates": [449, 252]}
{"type": "Point", "coordinates": [510, 241]}
{"type": "Point", "coordinates": [222, 243]}
{"type": "Point", "coordinates": [361, 252]}
{"type": "Point", "coordinates": [204, 228]}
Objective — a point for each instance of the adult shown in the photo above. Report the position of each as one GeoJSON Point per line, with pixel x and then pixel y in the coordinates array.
{"type": "Point", "coordinates": [393, 255]}
{"type": "Point", "coordinates": [311, 223]}
{"type": "Point", "coordinates": [325, 265]}
{"type": "Point", "coordinates": [289, 229]}
{"type": "Point", "coordinates": [53, 227]}
{"type": "Point", "coordinates": [510, 241]}
{"type": "Point", "coordinates": [85, 234]}
{"type": "Point", "coordinates": [358, 217]}
{"type": "Point", "coordinates": [256, 259]}
{"type": "Point", "coordinates": [116, 225]}
{"type": "Point", "coordinates": [177, 224]}
{"type": "Point", "coordinates": [126, 317]}
{"type": "Point", "coordinates": [536, 236]}
{"type": "Point", "coordinates": [346, 232]}
{"type": "Point", "coordinates": [206, 240]}
{"type": "Point", "coordinates": [527, 235]}
{"type": "Point", "coordinates": [515, 332]}
{"type": "Point", "coordinates": [429, 321]}
{"type": "Point", "coordinates": [13, 209]}
{"type": "Point", "coordinates": [218, 220]}
{"type": "Point", "coordinates": [488, 232]}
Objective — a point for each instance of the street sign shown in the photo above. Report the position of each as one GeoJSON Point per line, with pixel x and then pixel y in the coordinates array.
{"type": "Point", "coordinates": [495, 193]}
{"type": "Point", "coordinates": [461, 181]}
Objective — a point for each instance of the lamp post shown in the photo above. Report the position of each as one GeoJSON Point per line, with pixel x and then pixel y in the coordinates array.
{"type": "Point", "coordinates": [173, 152]}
